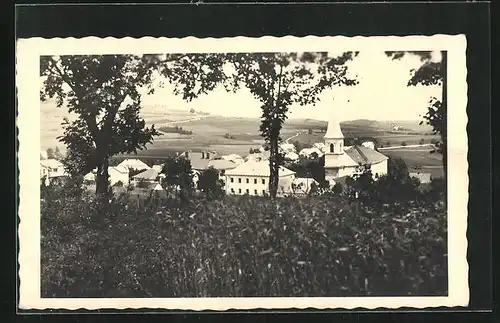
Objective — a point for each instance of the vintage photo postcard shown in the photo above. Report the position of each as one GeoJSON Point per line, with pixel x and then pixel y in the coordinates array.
{"type": "Point", "coordinates": [242, 173]}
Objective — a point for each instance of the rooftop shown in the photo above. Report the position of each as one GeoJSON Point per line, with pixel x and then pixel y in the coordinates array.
{"type": "Point", "coordinates": [52, 163]}
{"type": "Point", "coordinates": [150, 174]}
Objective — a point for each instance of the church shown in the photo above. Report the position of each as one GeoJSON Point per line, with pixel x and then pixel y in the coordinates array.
{"type": "Point", "coordinates": [343, 161]}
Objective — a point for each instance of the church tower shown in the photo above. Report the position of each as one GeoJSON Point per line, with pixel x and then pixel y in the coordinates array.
{"type": "Point", "coordinates": [334, 149]}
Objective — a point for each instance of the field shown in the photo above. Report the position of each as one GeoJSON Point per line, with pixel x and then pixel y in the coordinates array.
{"type": "Point", "coordinates": [240, 246]}
{"type": "Point", "coordinates": [419, 159]}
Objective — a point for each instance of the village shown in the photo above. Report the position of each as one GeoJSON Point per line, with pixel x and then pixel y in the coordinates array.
{"type": "Point", "coordinates": [247, 174]}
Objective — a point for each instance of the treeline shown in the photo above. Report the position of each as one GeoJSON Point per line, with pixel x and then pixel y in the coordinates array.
{"type": "Point", "coordinates": [176, 129]}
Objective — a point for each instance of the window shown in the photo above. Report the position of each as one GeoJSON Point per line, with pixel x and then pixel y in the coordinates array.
{"type": "Point", "coordinates": [255, 192]}
{"type": "Point", "coordinates": [239, 180]}
{"type": "Point", "coordinates": [232, 180]}
{"type": "Point", "coordinates": [263, 192]}
{"type": "Point", "coordinates": [331, 148]}
{"type": "Point", "coordinates": [232, 190]}
{"type": "Point", "coordinates": [263, 181]}
{"type": "Point", "coordinates": [248, 181]}
{"type": "Point", "coordinates": [255, 181]}
{"type": "Point", "coordinates": [248, 191]}
{"type": "Point", "coordinates": [239, 190]}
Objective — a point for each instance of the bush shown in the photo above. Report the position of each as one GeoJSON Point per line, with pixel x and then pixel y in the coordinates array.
{"type": "Point", "coordinates": [240, 246]}
{"type": "Point", "coordinates": [142, 183]}
{"type": "Point", "coordinates": [403, 144]}
{"type": "Point", "coordinates": [118, 184]}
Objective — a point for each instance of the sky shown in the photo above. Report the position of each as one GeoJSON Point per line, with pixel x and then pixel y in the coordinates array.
{"type": "Point", "coordinates": [382, 94]}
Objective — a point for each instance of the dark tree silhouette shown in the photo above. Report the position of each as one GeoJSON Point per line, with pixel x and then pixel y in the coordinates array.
{"type": "Point", "coordinates": [210, 183]}
{"type": "Point", "coordinates": [179, 175]}
{"type": "Point", "coordinates": [103, 92]}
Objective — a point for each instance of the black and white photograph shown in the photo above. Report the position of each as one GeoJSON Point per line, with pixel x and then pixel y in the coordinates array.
{"type": "Point", "coordinates": [318, 172]}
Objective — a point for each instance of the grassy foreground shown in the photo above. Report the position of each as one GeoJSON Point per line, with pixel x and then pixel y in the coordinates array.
{"type": "Point", "coordinates": [240, 246]}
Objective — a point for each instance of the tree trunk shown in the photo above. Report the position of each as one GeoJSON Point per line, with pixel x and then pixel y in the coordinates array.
{"type": "Point", "coordinates": [273, 168]}
{"type": "Point", "coordinates": [444, 107]}
{"type": "Point", "coordinates": [102, 177]}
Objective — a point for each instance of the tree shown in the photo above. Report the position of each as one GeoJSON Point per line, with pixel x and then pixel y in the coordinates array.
{"type": "Point", "coordinates": [310, 131]}
{"type": "Point", "coordinates": [179, 175]}
{"type": "Point", "coordinates": [210, 183]}
{"type": "Point", "coordinates": [50, 153]}
{"type": "Point", "coordinates": [421, 142]}
{"type": "Point", "coordinates": [432, 73]}
{"type": "Point", "coordinates": [403, 143]}
{"type": "Point", "coordinates": [103, 92]}
{"type": "Point", "coordinates": [192, 110]}
{"type": "Point", "coordinates": [279, 80]}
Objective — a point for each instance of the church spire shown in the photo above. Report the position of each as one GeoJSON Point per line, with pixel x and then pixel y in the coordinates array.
{"type": "Point", "coordinates": [333, 130]}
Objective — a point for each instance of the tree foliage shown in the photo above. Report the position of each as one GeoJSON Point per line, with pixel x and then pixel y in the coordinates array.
{"type": "Point", "coordinates": [103, 92]}
{"type": "Point", "coordinates": [210, 184]}
{"type": "Point", "coordinates": [179, 175]}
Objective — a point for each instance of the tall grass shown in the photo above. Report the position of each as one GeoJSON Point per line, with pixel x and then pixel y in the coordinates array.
{"type": "Point", "coordinates": [240, 246]}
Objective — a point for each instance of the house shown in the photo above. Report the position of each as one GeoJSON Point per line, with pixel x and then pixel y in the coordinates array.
{"type": "Point", "coordinates": [291, 156]}
{"type": "Point", "coordinates": [158, 168]}
{"type": "Point", "coordinates": [134, 164]}
{"type": "Point", "coordinates": [149, 175]}
{"type": "Point", "coordinates": [310, 152]}
{"type": "Point", "coordinates": [252, 177]}
{"type": "Point", "coordinates": [320, 145]}
{"type": "Point", "coordinates": [52, 168]}
{"type": "Point", "coordinates": [118, 174]}
{"type": "Point", "coordinates": [115, 174]}
{"type": "Point", "coordinates": [424, 178]}
{"type": "Point", "coordinates": [261, 156]}
{"type": "Point", "coordinates": [303, 185]}
{"type": "Point", "coordinates": [287, 148]}
{"type": "Point", "coordinates": [368, 144]}
{"type": "Point", "coordinates": [205, 159]}
{"type": "Point", "coordinates": [346, 161]}
{"type": "Point", "coordinates": [235, 158]}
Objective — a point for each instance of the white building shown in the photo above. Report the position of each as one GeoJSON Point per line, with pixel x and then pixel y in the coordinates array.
{"type": "Point", "coordinates": [346, 161]}
{"type": "Point", "coordinates": [252, 177]}
{"type": "Point", "coordinates": [320, 146]}
{"type": "Point", "coordinates": [52, 168]}
{"type": "Point", "coordinates": [134, 164]}
{"type": "Point", "coordinates": [291, 156]}
{"type": "Point", "coordinates": [368, 144]}
{"type": "Point", "coordinates": [287, 148]}
{"type": "Point", "coordinates": [309, 152]}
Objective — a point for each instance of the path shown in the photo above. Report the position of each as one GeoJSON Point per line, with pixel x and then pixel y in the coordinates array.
{"type": "Point", "coordinates": [408, 146]}
{"type": "Point", "coordinates": [294, 136]}
{"type": "Point", "coordinates": [168, 124]}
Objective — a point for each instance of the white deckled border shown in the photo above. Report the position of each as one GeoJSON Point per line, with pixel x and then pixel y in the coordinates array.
{"type": "Point", "coordinates": [28, 122]}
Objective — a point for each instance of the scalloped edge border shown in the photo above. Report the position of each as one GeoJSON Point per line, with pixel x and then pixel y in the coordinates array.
{"type": "Point", "coordinates": [27, 67]}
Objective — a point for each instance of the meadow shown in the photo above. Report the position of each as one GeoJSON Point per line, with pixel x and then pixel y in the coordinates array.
{"type": "Point", "coordinates": [240, 246]}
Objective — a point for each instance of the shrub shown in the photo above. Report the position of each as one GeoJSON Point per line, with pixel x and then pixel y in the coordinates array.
{"type": "Point", "coordinates": [403, 144]}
